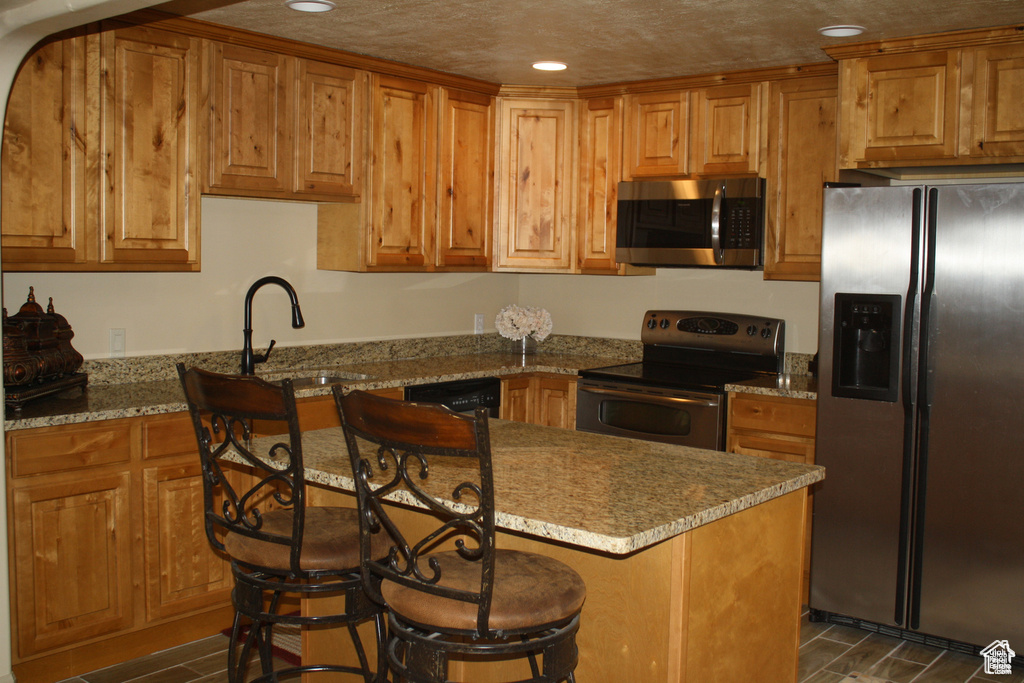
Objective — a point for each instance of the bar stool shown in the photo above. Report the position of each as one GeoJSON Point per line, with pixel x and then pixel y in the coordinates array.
{"type": "Point", "coordinates": [450, 591]}
{"type": "Point", "coordinates": [277, 545]}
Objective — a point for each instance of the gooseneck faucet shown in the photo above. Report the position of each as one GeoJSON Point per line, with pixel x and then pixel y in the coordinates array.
{"type": "Point", "coordinates": [250, 359]}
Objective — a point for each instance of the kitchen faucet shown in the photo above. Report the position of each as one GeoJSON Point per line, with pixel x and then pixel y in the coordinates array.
{"type": "Point", "coordinates": [250, 359]}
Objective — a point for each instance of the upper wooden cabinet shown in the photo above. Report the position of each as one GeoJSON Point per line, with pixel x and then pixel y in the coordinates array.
{"type": "Point", "coordinates": [100, 154]}
{"type": "Point", "coordinates": [536, 185]}
{"type": "Point", "coordinates": [802, 115]}
{"type": "Point", "coordinates": [992, 123]}
{"type": "Point", "coordinates": [726, 129]}
{"type": "Point", "coordinates": [951, 98]}
{"type": "Point", "coordinates": [427, 204]}
{"type": "Point", "coordinates": [282, 126]}
{"type": "Point", "coordinates": [43, 165]}
{"type": "Point", "coordinates": [657, 138]}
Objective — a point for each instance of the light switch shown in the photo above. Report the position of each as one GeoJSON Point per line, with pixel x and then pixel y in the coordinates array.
{"type": "Point", "coordinates": [117, 342]}
{"type": "Point", "coordinates": [478, 323]}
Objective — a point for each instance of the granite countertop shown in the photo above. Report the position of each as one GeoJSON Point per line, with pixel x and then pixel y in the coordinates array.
{"type": "Point", "coordinates": [154, 397]}
{"type": "Point", "coordinates": [594, 491]}
{"type": "Point", "coordinates": [787, 386]}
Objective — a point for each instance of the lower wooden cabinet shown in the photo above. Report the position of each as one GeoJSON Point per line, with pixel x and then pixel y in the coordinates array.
{"type": "Point", "coordinates": [109, 558]}
{"type": "Point", "coordinates": [779, 428]}
{"type": "Point", "coordinates": [540, 398]}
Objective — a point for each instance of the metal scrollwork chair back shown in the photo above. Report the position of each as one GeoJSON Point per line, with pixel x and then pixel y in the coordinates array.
{"type": "Point", "coordinates": [257, 515]}
{"type": "Point", "coordinates": [450, 592]}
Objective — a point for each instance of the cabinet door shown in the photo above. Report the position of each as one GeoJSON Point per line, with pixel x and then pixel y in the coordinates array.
{"type": "Point", "coordinates": [600, 173]}
{"type": "Point", "coordinates": [515, 398]}
{"type": "Point", "coordinates": [801, 158]}
{"type": "Point", "coordinates": [72, 559]}
{"type": "Point", "coordinates": [657, 135]}
{"type": "Point", "coordinates": [43, 161]}
{"type": "Point", "coordinates": [250, 145]}
{"type": "Point", "coordinates": [535, 213]}
{"type": "Point", "coordinates": [993, 117]}
{"type": "Point", "coordinates": [725, 134]}
{"type": "Point", "coordinates": [901, 107]}
{"type": "Point", "coordinates": [149, 117]}
{"type": "Point", "coordinates": [555, 402]}
{"type": "Point", "coordinates": [329, 135]}
{"type": "Point", "coordinates": [467, 180]}
{"type": "Point", "coordinates": [402, 168]}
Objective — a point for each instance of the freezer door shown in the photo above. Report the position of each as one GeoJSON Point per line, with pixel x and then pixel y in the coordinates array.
{"type": "Point", "coordinates": [857, 565]}
{"type": "Point", "coordinates": [972, 546]}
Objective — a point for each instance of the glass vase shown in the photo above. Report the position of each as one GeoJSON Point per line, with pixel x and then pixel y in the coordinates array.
{"type": "Point", "coordinates": [527, 346]}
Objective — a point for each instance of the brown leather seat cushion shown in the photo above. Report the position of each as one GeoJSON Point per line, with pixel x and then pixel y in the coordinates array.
{"type": "Point", "coordinates": [330, 541]}
{"type": "Point", "coordinates": [529, 590]}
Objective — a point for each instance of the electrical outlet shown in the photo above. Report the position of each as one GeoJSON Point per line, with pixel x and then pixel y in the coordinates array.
{"type": "Point", "coordinates": [117, 342]}
{"type": "Point", "coordinates": [478, 323]}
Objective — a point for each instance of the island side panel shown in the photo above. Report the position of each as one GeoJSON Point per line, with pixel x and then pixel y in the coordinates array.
{"type": "Point", "coordinates": [744, 579]}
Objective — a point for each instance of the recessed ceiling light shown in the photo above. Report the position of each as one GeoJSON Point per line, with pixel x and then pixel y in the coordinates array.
{"type": "Point", "coordinates": [549, 66]}
{"type": "Point", "coordinates": [841, 31]}
{"type": "Point", "coordinates": [310, 5]}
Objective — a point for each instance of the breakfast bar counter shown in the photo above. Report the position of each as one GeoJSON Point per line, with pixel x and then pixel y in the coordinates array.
{"type": "Point", "coordinates": [692, 559]}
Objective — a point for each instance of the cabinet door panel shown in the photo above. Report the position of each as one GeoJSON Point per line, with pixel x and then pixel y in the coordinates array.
{"type": "Point", "coordinates": [250, 141]}
{"type": "Point", "coordinates": [900, 107]}
{"type": "Point", "coordinates": [72, 561]}
{"type": "Point", "coordinates": [600, 173]}
{"type": "Point", "coordinates": [657, 136]}
{"type": "Point", "coordinates": [726, 129]}
{"type": "Point", "coordinates": [149, 118]}
{"type": "Point", "coordinates": [183, 572]}
{"type": "Point", "coordinates": [556, 402]}
{"type": "Point", "coordinates": [801, 158]}
{"type": "Point", "coordinates": [329, 139]}
{"type": "Point", "coordinates": [467, 178]}
{"type": "Point", "coordinates": [535, 222]}
{"type": "Point", "coordinates": [44, 159]}
{"type": "Point", "coordinates": [996, 117]}
{"type": "Point", "coordinates": [402, 190]}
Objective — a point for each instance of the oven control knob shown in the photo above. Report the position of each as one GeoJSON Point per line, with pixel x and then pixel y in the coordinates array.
{"type": "Point", "coordinates": [664, 323]}
{"type": "Point", "coordinates": [652, 324]}
{"type": "Point", "coordinates": [751, 330]}
{"type": "Point", "coordinates": [766, 332]}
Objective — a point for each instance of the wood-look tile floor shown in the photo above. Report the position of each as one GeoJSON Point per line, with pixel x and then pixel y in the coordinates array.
{"type": "Point", "coordinates": [828, 654]}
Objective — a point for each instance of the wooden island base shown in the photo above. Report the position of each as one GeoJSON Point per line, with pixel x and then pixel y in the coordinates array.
{"type": "Point", "coordinates": [717, 604]}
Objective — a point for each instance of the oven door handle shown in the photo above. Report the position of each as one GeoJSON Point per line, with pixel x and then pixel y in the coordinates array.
{"type": "Point", "coordinates": [703, 403]}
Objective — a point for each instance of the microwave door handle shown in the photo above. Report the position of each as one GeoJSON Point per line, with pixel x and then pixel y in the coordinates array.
{"type": "Point", "coordinates": [716, 225]}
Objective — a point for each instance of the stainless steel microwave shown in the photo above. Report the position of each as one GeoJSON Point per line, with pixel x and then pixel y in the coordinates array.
{"type": "Point", "coordinates": [681, 223]}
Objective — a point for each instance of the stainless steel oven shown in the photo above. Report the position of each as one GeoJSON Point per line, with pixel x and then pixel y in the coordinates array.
{"type": "Point", "coordinates": [687, 418]}
{"type": "Point", "coordinates": [676, 394]}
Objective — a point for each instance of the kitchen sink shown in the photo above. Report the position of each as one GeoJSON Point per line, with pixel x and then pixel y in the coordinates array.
{"type": "Point", "coordinates": [324, 380]}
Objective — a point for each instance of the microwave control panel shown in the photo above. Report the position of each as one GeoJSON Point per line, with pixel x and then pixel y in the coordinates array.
{"type": "Point", "coordinates": [742, 225]}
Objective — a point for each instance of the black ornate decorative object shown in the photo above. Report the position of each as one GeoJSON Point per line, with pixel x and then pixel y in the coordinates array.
{"type": "Point", "coordinates": [38, 357]}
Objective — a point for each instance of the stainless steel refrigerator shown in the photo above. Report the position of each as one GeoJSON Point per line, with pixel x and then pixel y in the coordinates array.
{"type": "Point", "coordinates": [919, 524]}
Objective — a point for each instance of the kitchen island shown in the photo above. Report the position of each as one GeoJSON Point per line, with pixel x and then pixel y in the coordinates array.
{"type": "Point", "coordinates": [692, 559]}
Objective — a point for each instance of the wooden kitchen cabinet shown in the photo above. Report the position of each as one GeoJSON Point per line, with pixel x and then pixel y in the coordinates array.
{"type": "Point", "coordinates": [100, 154]}
{"type": "Point", "coordinates": [109, 557]}
{"type": "Point", "coordinates": [992, 123]}
{"type": "Point", "coordinates": [536, 185]}
{"type": "Point", "coordinates": [539, 398]}
{"type": "Point", "coordinates": [657, 134]}
{"type": "Point", "coordinates": [44, 211]}
{"type": "Point", "coordinates": [600, 171]}
{"type": "Point", "coordinates": [149, 117]}
{"type": "Point", "coordinates": [725, 133]}
{"type": "Point", "coordinates": [775, 427]}
{"type": "Point", "coordinates": [802, 119]}
{"type": "Point", "coordinates": [282, 126]}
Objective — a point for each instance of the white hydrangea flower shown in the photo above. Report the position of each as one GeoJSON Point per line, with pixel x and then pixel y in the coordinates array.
{"type": "Point", "coordinates": [516, 322]}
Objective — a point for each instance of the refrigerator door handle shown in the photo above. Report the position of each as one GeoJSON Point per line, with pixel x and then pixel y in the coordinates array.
{"type": "Point", "coordinates": [909, 407]}
{"type": "Point", "coordinates": [924, 401]}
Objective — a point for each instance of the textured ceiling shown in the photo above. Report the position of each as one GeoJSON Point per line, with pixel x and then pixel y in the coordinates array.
{"type": "Point", "coordinates": [602, 41]}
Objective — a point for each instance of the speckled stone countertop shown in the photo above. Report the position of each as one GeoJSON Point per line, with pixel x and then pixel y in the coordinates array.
{"type": "Point", "coordinates": [594, 491]}
{"type": "Point", "coordinates": [788, 386]}
{"type": "Point", "coordinates": [133, 399]}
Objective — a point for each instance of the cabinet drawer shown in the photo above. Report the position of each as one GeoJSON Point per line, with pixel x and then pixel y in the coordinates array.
{"type": "Point", "coordinates": [69, 447]}
{"type": "Point", "coordinates": [772, 414]}
{"type": "Point", "coordinates": [777, 448]}
{"type": "Point", "coordinates": [169, 435]}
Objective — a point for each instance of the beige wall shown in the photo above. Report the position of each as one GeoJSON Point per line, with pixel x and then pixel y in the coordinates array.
{"type": "Point", "coordinates": [243, 240]}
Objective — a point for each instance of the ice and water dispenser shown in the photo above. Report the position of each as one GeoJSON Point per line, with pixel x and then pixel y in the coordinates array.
{"type": "Point", "coordinates": [866, 346]}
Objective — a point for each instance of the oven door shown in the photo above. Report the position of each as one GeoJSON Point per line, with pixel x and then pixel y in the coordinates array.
{"type": "Point", "coordinates": [676, 416]}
